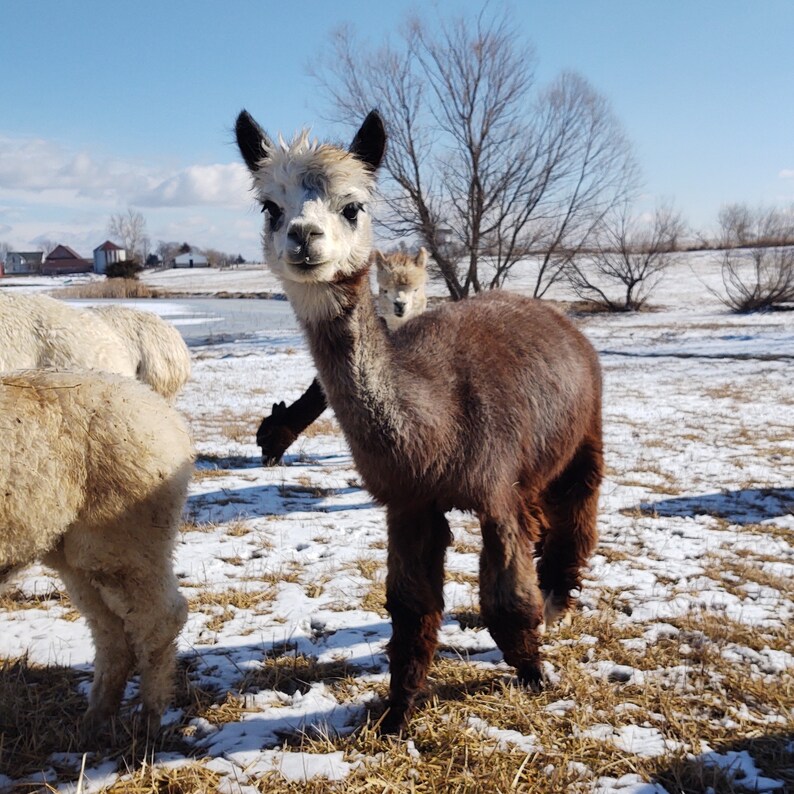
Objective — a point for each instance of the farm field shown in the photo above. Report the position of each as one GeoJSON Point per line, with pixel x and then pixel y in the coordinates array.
{"type": "Point", "coordinates": [675, 675]}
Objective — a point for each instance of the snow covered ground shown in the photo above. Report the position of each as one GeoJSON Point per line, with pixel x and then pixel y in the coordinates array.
{"type": "Point", "coordinates": [286, 565]}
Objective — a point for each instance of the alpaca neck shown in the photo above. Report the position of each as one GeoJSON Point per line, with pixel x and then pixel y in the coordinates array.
{"type": "Point", "coordinates": [355, 360]}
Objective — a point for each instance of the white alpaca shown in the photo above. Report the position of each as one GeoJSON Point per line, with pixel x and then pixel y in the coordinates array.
{"type": "Point", "coordinates": [38, 331]}
{"type": "Point", "coordinates": [94, 469]}
{"type": "Point", "coordinates": [161, 356]}
{"type": "Point", "coordinates": [401, 286]}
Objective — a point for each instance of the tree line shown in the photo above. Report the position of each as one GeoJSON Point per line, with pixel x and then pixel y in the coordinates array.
{"type": "Point", "coordinates": [485, 167]}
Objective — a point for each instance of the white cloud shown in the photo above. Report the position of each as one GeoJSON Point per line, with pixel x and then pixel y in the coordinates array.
{"type": "Point", "coordinates": [219, 185]}
{"type": "Point", "coordinates": [787, 173]}
{"type": "Point", "coordinates": [43, 170]}
{"type": "Point", "coordinates": [49, 190]}
{"type": "Point", "coordinates": [40, 166]}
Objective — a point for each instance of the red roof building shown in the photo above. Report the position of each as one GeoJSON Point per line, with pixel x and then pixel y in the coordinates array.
{"type": "Point", "coordinates": [63, 259]}
{"type": "Point", "coordinates": [106, 254]}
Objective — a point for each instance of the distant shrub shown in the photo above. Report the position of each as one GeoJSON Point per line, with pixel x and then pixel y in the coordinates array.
{"type": "Point", "coordinates": [757, 258]}
{"type": "Point", "coordinates": [758, 279]}
{"type": "Point", "coordinates": [628, 258]}
{"type": "Point", "coordinates": [108, 288]}
{"type": "Point", "coordinates": [128, 268]}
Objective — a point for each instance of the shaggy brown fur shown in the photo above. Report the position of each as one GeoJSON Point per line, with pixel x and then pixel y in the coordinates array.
{"type": "Point", "coordinates": [491, 405]}
{"type": "Point", "coordinates": [401, 282]}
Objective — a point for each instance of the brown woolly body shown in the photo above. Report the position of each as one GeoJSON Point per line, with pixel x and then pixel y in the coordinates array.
{"type": "Point", "coordinates": [491, 405]}
{"type": "Point", "coordinates": [469, 406]}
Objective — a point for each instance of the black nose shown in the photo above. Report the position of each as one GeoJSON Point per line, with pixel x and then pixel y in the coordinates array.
{"type": "Point", "coordinates": [399, 308]}
{"type": "Point", "coordinates": [302, 234]}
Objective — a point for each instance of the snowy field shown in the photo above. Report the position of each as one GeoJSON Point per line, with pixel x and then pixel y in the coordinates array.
{"type": "Point", "coordinates": [677, 673]}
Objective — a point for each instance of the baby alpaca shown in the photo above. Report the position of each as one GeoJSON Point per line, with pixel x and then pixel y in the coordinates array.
{"type": "Point", "coordinates": [94, 469]}
{"type": "Point", "coordinates": [401, 286]}
{"type": "Point", "coordinates": [401, 295]}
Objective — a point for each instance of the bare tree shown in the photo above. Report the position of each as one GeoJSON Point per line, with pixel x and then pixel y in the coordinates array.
{"type": "Point", "coordinates": [45, 244]}
{"type": "Point", "coordinates": [167, 251]}
{"type": "Point", "coordinates": [757, 257]}
{"type": "Point", "coordinates": [628, 258]}
{"type": "Point", "coordinates": [217, 258]}
{"type": "Point", "coordinates": [481, 166]}
{"type": "Point", "coordinates": [4, 249]}
{"type": "Point", "coordinates": [130, 229]}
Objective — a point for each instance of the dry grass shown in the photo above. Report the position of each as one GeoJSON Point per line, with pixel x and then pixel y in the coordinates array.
{"type": "Point", "coordinates": [108, 288]}
{"type": "Point", "coordinates": [233, 597]}
{"type": "Point", "coordinates": [322, 427]}
{"type": "Point", "coordinates": [238, 429]}
{"type": "Point", "coordinates": [39, 714]}
{"type": "Point", "coordinates": [148, 779]}
{"type": "Point", "coordinates": [451, 749]}
{"type": "Point", "coordinates": [14, 600]}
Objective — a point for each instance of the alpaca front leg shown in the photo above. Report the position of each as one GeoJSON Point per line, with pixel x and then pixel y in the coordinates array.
{"type": "Point", "coordinates": [510, 600]}
{"type": "Point", "coordinates": [415, 600]}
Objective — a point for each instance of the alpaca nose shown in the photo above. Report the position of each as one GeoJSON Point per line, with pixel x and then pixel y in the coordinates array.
{"type": "Point", "coordinates": [399, 308]}
{"type": "Point", "coordinates": [303, 234]}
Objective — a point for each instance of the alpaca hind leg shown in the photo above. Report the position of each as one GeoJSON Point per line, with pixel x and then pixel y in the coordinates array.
{"type": "Point", "coordinates": [113, 659]}
{"type": "Point", "coordinates": [510, 601]}
{"type": "Point", "coordinates": [153, 612]}
{"type": "Point", "coordinates": [415, 600]}
{"type": "Point", "coordinates": [570, 504]}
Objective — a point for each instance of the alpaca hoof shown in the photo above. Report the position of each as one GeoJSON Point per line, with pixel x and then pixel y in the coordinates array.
{"type": "Point", "coordinates": [148, 724]}
{"type": "Point", "coordinates": [531, 677]}
{"type": "Point", "coordinates": [94, 729]}
{"type": "Point", "coordinates": [556, 608]}
{"type": "Point", "coordinates": [393, 722]}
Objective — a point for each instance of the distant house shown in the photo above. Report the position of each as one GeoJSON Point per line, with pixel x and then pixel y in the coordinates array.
{"type": "Point", "coordinates": [108, 254]}
{"type": "Point", "coordinates": [191, 259]}
{"type": "Point", "coordinates": [62, 260]}
{"type": "Point", "coordinates": [23, 262]}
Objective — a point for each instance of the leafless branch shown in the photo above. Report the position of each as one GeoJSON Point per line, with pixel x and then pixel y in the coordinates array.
{"type": "Point", "coordinates": [481, 166]}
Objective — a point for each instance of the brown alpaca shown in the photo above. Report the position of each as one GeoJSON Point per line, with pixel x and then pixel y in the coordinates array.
{"type": "Point", "coordinates": [401, 295]}
{"type": "Point", "coordinates": [491, 405]}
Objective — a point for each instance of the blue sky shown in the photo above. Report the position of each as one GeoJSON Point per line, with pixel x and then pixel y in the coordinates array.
{"type": "Point", "coordinates": [109, 105]}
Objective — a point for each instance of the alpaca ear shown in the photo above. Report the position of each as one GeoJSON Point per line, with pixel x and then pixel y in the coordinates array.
{"type": "Point", "coordinates": [377, 258]}
{"type": "Point", "coordinates": [421, 258]}
{"type": "Point", "coordinates": [252, 141]}
{"type": "Point", "coordinates": [370, 141]}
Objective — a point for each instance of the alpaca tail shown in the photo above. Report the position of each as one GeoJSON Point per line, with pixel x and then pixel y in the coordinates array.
{"type": "Point", "coordinates": [165, 360]}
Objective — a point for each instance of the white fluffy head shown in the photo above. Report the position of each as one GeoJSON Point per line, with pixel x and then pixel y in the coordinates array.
{"type": "Point", "coordinates": [315, 200]}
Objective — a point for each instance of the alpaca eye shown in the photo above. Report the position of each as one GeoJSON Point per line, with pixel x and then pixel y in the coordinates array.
{"type": "Point", "coordinates": [351, 211]}
{"type": "Point", "coordinates": [274, 211]}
